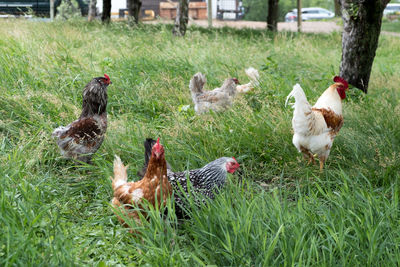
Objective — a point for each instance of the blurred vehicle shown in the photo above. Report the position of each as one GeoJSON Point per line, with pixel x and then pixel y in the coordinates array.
{"type": "Point", "coordinates": [391, 9]}
{"type": "Point", "coordinates": [230, 9]}
{"type": "Point", "coordinates": [38, 7]}
{"type": "Point", "coordinates": [309, 13]}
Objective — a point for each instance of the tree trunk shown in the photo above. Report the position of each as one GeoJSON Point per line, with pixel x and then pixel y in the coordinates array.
{"type": "Point", "coordinates": [52, 10]}
{"type": "Point", "coordinates": [272, 18]}
{"type": "Point", "coordinates": [299, 19]}
{"type": "Point", "coordinates": [209, 13]}
{"type": "Point", "coordinates": [338, 12]}
{"type": "Point", "coordinates": [182, 18]}
{"type": "Point", "coordinates": [92, 10]}
{"type": "Point", "coordinates": [362, 26]}
{"type": "Point", "coordinates": [106, 15]}
{"type": "Point", "coordinates": [134, 10]}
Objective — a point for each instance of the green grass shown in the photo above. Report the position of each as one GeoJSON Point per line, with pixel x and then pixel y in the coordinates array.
{"type": "Point", "coordinates": [55, 212]}
{"type": "Point", "coordinates": [391, 26]}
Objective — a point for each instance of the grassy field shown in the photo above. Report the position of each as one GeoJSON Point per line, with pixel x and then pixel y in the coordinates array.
{"type": "Point", "coordinates": [278, 212]}
{"type": "Point", "coordinates": [392, 26]}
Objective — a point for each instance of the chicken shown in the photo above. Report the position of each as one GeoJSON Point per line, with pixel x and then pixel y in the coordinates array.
{"type": "Point", "coordinates": [83, 137]}
{"type": "Point", "coordinates": [316, 127]}
{"type": "Point", "coordinates": [217, 99]}
{"type": "Point", "coordinates": [254, 76]}
{"type": "Point", "coordinates": [206, 180]}
{"type": "Point", "coordinates": [148, 145]}
{"type": "Point", "coordinates": [128, 196]}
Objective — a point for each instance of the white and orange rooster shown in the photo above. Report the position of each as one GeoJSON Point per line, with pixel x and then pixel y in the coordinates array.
{"type": "Point", "coordinates": [316, 127]}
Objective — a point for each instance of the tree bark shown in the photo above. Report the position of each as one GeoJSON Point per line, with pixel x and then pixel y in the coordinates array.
{"type": "Point", "coordinates": [182, 18]}
{"type": "Point", "coordinates": [299, 19]}
{"type": "Point", "coordinates": [362, 26]}
{"type": "Point", "coordinates": [106, 15]}
{"type": "Point", "coordinates": [92, 10]}
{"type": "Point", "coordinates": [338, 12]}
{"type": "Point", "coordinates": [209, 13]}
{"type": "Point", "coordinates": [52, 10]}
{"type": "Point", "coordinates": [272, 18]}
{"type": "Point", "coordinates": [134, 10]}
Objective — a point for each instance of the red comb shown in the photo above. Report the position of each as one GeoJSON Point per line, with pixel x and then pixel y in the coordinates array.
{"type": "Point", "coordinates": [235, 80]}
{"type": "Point", "coordinates": [338, 79]}
{"type": "Point", "coordinates": [107, 77]}
{"type": "Point", "coordinates": [157, 146]}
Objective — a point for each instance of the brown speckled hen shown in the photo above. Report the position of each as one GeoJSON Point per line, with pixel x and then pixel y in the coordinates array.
{"type": "Point", "coordinates": [83, 137]}
{"type": "Point", "coordinates": [217, 100]}
{"type": "Point", "coordinates": [129, 196]}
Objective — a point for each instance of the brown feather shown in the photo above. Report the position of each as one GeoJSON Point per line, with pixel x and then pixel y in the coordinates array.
{"type": "Point", "coordinates": [333, 120]}
{"type": "Point", "coordinates": [154, 185]}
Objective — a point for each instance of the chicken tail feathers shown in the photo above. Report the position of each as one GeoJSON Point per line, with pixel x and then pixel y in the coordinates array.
{"type": "Point", "coordinates": [303, 117]}
{"type": "Point", "coordinates": [120, 173]}
{"type": "Point", "coordinates": [197, 83]}
{"type": "Point", "coordinates": [298, 95]}
{"type": "Point", "coordinates": [148, 145]}
{"type": "Point", "coordinates": [253, 75]}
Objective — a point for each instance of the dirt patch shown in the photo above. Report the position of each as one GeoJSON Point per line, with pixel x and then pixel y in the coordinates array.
{"type": "Point", "coordinates": [313, 26]}
{"type": "Point", "coordinates": [307, 26]}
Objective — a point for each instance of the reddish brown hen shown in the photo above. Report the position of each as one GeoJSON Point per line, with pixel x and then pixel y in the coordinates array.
{"type": "Point", "coordinates": [83, 137]}
{"type": "Point", "coordinates": [128, 196]}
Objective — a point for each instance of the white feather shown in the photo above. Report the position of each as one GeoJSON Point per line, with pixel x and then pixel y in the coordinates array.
{"type": "Point", "coordinates": [253, 75]}
{"type": "Point", "coordinates": [310, 129]}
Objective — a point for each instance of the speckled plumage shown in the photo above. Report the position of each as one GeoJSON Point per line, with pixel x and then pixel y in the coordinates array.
{"type": "Point", "coordinates": [83, 137]}
{"type": "Point", "coordinates": [206, 181]}
{"type": "Point", "coordinates": [217, 99]}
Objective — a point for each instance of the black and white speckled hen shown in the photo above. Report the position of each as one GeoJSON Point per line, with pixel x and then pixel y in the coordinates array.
{"type": "Point", "coordinates": [206, 180]}
{"type": "Point", "coordinates": [83, 137]}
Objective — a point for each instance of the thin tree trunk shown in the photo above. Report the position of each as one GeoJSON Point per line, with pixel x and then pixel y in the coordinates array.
{"type": "Point", "coordinates": [272, 18]}
{"type": "Point", "coordinates": [299, 19]}
{"type": "Point", "coordinates": [338, 12]}
{"type": "Point", "coordinates": [52, 10]}
{"type": "Point", "coordinates": [209, 13]}
{"type": "Point", "coordinates": [134, 10]}
{"type": "Point", "coordinates": [362, 26]}
{"type": "Point", "coordinates": [182, 18]}
{"type": "Point", "coordinates": [92, 10]}
{"type": "Point", "coordinates": [106, 15]}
